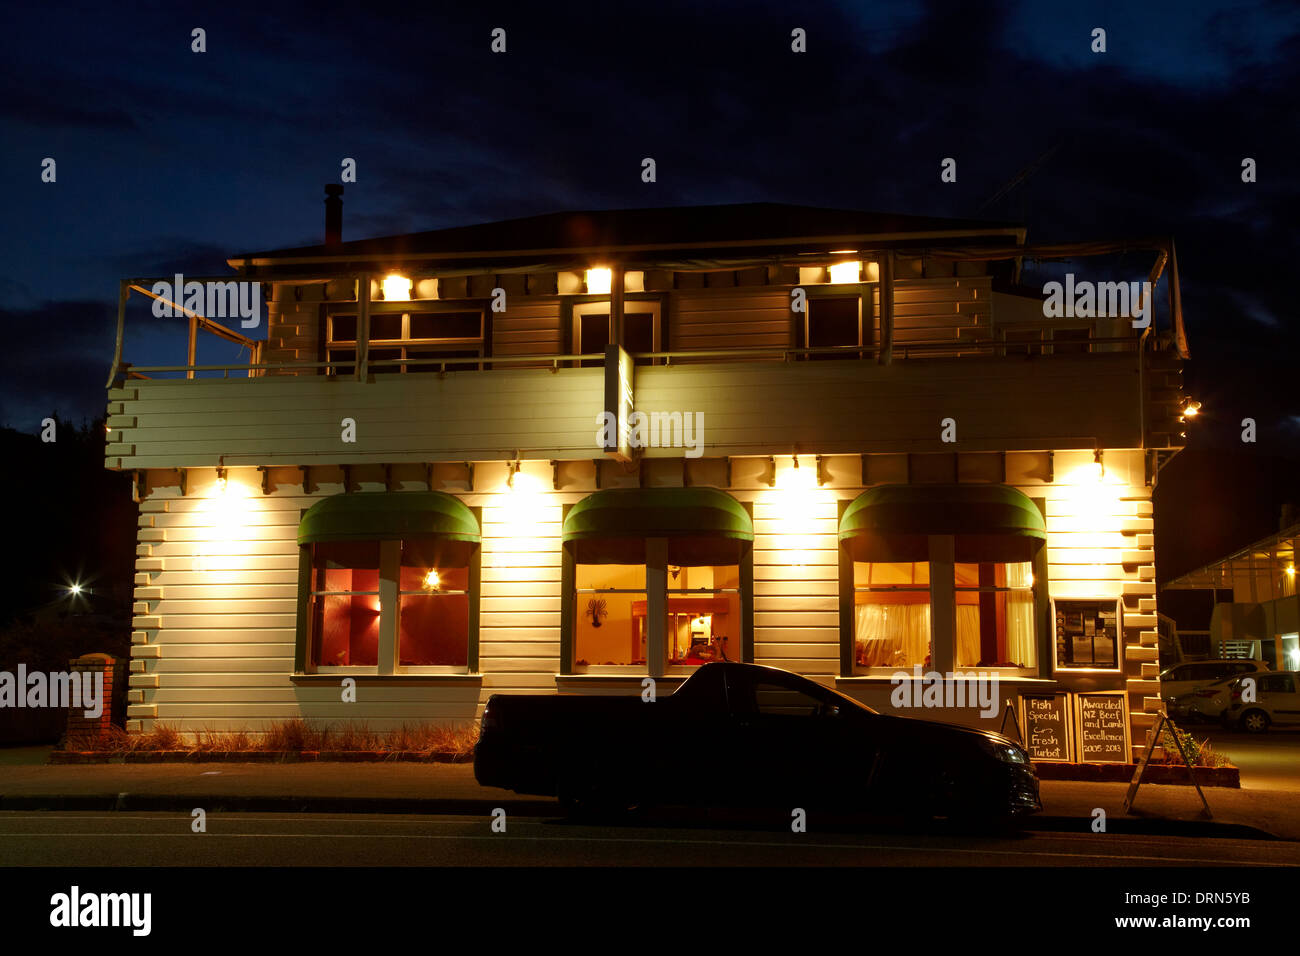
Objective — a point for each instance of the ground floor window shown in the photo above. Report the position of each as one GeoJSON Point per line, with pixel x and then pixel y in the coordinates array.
{"type": "Point", "coordinates": [995, 615]}
{"type": "Point", "coordinates": [703, 614]}
{"type": "Point", "coordinates": [382, 606]}
{"type": "Point", "coordinates": [891, 614]}
{"type": "Point", "coordinates": [433, 606]}
{"type": "Point", "coordinates": [344, 610]}
{"type": "Point", "coordinates": [608, 630]}
{"type": "Point", "coordinates": [993, 623]}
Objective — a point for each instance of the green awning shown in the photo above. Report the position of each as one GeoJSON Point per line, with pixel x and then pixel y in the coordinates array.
{"type": "Point", "coordinates": [702, 525]}
{"type": "Point", "coordinates": [385, 515]}
{"type": "Point", "coordinates": [989, 523]}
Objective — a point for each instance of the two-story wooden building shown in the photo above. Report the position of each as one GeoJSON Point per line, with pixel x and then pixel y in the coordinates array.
{"type": "Point", "coordinates": [870, 454]}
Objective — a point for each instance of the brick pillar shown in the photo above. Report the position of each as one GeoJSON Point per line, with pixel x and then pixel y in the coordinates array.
{"type": "Point", "coordinates": [81, 727]}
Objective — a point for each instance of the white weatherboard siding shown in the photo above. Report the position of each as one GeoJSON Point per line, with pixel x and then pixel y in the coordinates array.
{"type": "Point", "coordinates": [796, 573]}
{"type": "Point", "coordinates": [216, 595]}
{"type": "Point", "coordinates": [754, 408]}
{"type": "Point", "coordinates": [216, 605]}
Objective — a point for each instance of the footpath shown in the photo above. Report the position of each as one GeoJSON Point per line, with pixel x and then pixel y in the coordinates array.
{"type": "Point", "coordinates": [441, 788]}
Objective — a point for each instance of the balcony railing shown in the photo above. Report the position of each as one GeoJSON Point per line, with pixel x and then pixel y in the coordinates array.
{"type": "Point", "coordinates": [774, 353]}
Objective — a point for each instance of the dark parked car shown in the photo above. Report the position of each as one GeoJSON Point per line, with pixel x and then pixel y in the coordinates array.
{"type": "Point", "coordinates": [744, 734]}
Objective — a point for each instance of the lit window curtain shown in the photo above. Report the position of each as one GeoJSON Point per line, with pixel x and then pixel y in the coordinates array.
{"type": "Point", "coordinates": [1021, 647]}
{"type": "Point", "coordinates": [893, 635]}
{"type": "Point", "coordinates": [968, 635]}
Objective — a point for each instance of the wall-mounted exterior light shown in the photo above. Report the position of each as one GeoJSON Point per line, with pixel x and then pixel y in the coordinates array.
{"type": "Point", "coordinates": [397, 288]}
{"type": "Point", "coordinates": [843, 272]}
{"type": "Point", "coordinates": [599, 281]}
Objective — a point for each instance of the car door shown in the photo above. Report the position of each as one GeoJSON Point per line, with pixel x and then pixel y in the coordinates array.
{"type": "Point", "coordinates": [1278, 694]}
{"type": "Point", "coordinates": [1176, 681]}
{"type": "Point", "coordinates": [692, 745]}
{"type": "Point", "coordinates": [1192, 677]}
{"type": "Point", "coordinates": [794, 739]}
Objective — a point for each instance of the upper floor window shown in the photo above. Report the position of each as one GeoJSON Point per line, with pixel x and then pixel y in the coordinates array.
{"type": "Point", "coordinates": [833, 321]}
{"type": "Point", "coordinates": [592, 329]}
{"type": "Point", "coordinates": [406, 341]}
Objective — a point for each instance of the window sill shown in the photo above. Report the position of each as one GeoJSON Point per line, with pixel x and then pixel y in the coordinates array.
{"type": "Point", "coordinates": [619, 680]}
{"type": "Point", "coordinates": [892, 680]}
{"type": "Point", "coordinates": [391, 680]}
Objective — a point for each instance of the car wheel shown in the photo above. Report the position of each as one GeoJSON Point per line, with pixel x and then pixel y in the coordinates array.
{"type": "Point", "coordinates": [1255, 721]}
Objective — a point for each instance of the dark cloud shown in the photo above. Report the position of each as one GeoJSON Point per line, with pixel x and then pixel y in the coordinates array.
{"type": "Point", "coordinates": [200, 156]}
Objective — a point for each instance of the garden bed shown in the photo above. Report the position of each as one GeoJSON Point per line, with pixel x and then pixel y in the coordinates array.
{"type": "Point", "coordinates": [256, 756]}
{"type": "Point", "coordinates": [1158, 773]}
{"type": "Point", "coordinates": [292, 741]}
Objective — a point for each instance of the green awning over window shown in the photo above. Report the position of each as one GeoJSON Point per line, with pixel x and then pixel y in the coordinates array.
{"type": "Point", "coordinates": [989, 523]}
{"type": "Point", "coordinates": [385, 515]}
{"type": "Point", "coordinates": [702, 525]}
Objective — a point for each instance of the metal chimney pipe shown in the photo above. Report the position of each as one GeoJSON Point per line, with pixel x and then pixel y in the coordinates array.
{"type": "Point", "coordinates": [333, 214]}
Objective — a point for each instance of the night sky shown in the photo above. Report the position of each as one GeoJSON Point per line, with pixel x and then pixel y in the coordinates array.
{"type": "Point", "coordinates": [170, 160]}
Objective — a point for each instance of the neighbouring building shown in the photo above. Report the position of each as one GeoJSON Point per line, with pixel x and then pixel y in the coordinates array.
{"type": "Point", "coordinates": [841, 443]}
{"type": "Point", "coordinates": [1262, 621]}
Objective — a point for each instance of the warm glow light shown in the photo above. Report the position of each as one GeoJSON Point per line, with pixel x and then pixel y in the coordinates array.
{"type": "Point", "coordinates": [846, 272]}
{"type": "Point", "coordinates": [523, 502]}
{"type": "Point", "coordinates": [599, 281]}
{"type": "Point", "coordinates": [1291, 570]}
{"type": "Point", "coordinates": [219, 539]}
{"type": "Point", "coordinates": [74, 589]}
{"type": "Point", "coordinates": [1192, 409]}
{"type": "Point", "coordinates": [1091, 508]}
{"type": "Point", "coordinates": [521, 519]}
{"type": "Point", "coordinates": [801, 509]}
{"type": "Point", "coordinates": [397, 288]}
{"type": "Point", "coordinates": [431, 580]}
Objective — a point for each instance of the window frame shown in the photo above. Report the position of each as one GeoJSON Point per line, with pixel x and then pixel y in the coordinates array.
{"type": "Point", "coordinates": [943, 639]}
{"type": "Point", "coordinates": [1032, 670]}
{"type": "Point", "coordinates": [482, 344]}
{"type": "Point", "coordinates": [1116, 668]}
{"type": "Point", "coordinates": [652, 307]}
{"type": "Point", "coordinates": [388, 665]}
{"type": "Point", "coordinates": [831, 297]}
{"type": "Point", "coordinates": [656, 571]}
{"type": "Point", "coordinates": [880, 670]}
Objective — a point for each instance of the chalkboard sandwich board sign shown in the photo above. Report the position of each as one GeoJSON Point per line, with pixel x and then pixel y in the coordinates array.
{"type": "Point", "coordinates": [1101, 726]}
{"type": "Point", "coordinates": [1046, 722]}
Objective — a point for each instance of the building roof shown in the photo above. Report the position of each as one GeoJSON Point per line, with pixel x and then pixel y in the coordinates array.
{"type": "Point", "coordinates": [697, 231]}
{"type": "Point", "coordinates": [1266, 558]}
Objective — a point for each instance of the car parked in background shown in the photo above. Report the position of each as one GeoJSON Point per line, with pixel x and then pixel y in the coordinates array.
{"type": "Point", "coordinates": [1205, 703]}
{"type": "Point", "coordinates": [1276, 701]}
{"type": "Point", "coordinates": [1193, 675]}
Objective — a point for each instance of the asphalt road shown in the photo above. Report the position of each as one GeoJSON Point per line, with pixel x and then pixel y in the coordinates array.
{"type": "Point", "coordinates": [244, 839]}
